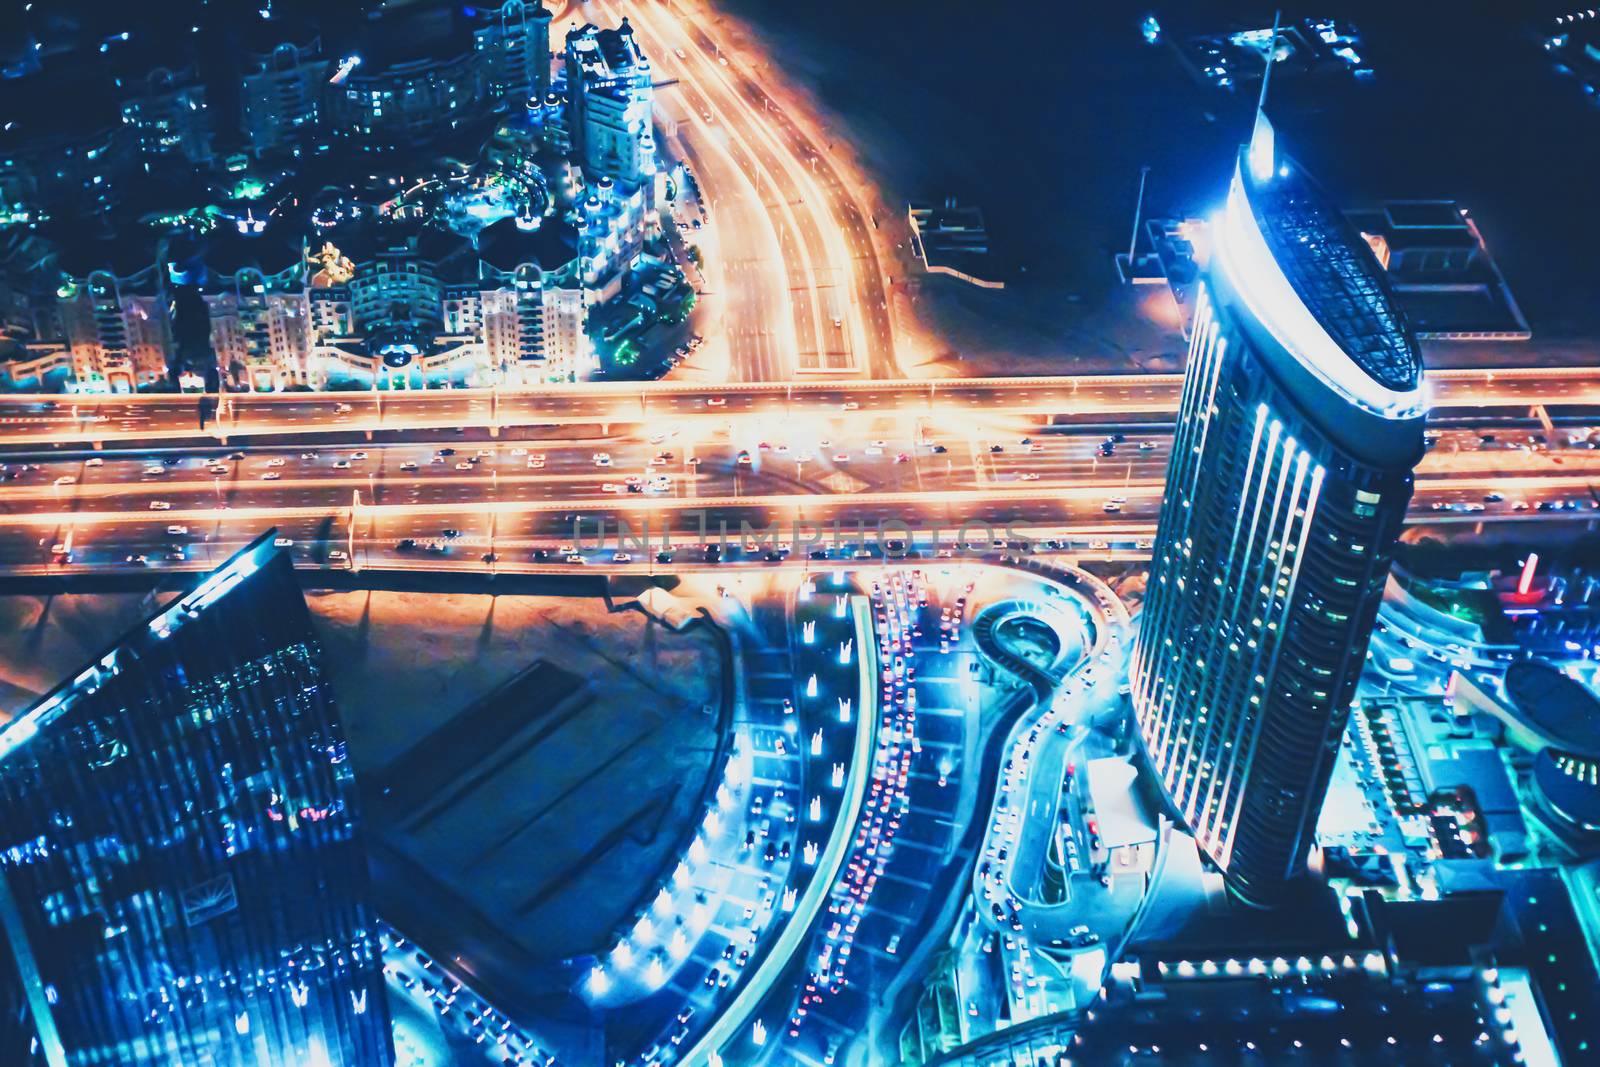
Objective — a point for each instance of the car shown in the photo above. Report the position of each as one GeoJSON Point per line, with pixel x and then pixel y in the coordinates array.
{"type": "Point", "coordinates": [95, 461]}
{"type": "Point", "coordinates": [283, 542]}
{"type": "Point", "coordinates": [218, 468]}
{"type": "Point", "coordinates": [463, 466]}
{"type": "Point", "coordinates": [1111, 507]}
{"type": "Point", "coordinates": [408, 465]}
{"type": "Point", "coordinates": [138, 560]}
{"type": "Point", "coordinates": [716, 402]}
{"type": "Point", "coordinates": [452, 533]}
{"type": "Point", "coordinates": [573, 557]}
{"type": "Point", "coordinates": [1147, 446]}
{"type": "Point", "coordinates": [335, 555]}
{"type": "Point", "coordinates": [663, 557]}
{"type": "Point", "coordinates": [358, 455]}
{"type": "Point", "coordinates": [160, 505]}
{"type": "Point", "coordinates": [66, 479]}
{"type": "Point", "coordinates": [277, 461]}
{"type": "Point", "coordinates": [490, 557]}
{"type": "Point", "coordinates": [341, 465]}
{"type": "Point", "coordinates": [405, 544]}
{"type": "Point", "coordinates": [176, 555]}
{"type": "Point", "coordinates": [154, 469]}
{"type": "Point", "coordinates": [601, 459]}
{"type": "Point", "coordinates": [621, 557]}
{"type": "Point", "coordinates": [271, 476]}
{"type": "Point", "coordinates": [177, 531]}
{"type": "Point", "coordinates": [536, 462]}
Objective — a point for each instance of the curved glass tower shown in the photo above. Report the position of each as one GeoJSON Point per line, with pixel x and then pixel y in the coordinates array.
{"type": "Point", "coordinates": [1301, 418]}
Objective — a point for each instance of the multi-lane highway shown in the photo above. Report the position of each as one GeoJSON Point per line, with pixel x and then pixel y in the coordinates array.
{"type": "Point", "coordinates": [790, 251]}
{"type": "Point", "coordinates": [49, 419]}
{"type": "Point", "coordinates": [541, 501]}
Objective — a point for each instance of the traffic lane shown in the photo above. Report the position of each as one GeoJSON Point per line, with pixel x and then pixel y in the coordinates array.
{"type": "Point", "coordinates": [106, 538]}
{"type": "Point", "coordinates": [439, 410]}
{"type": "Point", "coordinates": [800, 283]}
{"type": "Point", "coordinates": [994, 506]}
{"type": "Point", "coordinates": [760, 167]}
{"type": "Point", "coordinates": [579, 471]}
{"type": "Point", "coordinates": [706, 77]}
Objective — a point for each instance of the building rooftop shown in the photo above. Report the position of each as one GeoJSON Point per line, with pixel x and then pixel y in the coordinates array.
{"type": "Point", "coordinates": [505, 246]}
{"type": "Point", "coordinates": [1563, 711]}
{"type": "Point", "coordinates": [1334, 273]}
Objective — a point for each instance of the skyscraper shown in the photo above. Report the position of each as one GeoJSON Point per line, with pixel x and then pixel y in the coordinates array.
{"type": "Point", "coordinates": [182, 875]}
{"type": "Point", "coordinates": [1301, 418]}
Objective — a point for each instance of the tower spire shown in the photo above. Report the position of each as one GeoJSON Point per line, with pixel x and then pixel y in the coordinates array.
{"type": "Point", "coordinates": [1262, 149]}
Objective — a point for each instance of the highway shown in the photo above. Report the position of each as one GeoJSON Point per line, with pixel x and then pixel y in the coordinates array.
{"type": "Point", "coordinates": [522, 501]}
{"type": "Point", "coordinates": [52, 419]}
{"type": "Point", "coordinates": [772, 241]}
{"type": "Point", "coordinates": [837, 232]}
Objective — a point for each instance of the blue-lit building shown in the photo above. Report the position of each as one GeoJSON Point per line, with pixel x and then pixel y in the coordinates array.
{"type": "Point", "coordinates": [183, 878]}
{"type": "Point", "coordinates": [1301, 419]}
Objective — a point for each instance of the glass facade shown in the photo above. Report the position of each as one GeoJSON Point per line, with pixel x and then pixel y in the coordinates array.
{"type": "Point", "coordinates": [182, 875]}
{"type": "Point", "coordinates": [1283, 500]}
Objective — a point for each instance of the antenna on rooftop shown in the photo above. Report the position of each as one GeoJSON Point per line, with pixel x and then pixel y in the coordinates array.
{"type": "Point", "coordinates": [1262, 152]}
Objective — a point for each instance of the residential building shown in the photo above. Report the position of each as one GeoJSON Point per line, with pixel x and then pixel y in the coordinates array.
{"type": "Point", "coordinates": [611, 89]}
{"type": "Point", "coordinates": [514, 37]}
{"type": "Point", "coordinates": [280, 95]}
{"type": "Point", "coordinates": [168, 118]}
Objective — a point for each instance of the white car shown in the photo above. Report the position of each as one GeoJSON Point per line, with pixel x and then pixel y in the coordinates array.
{"type": "Point", "coordinates": [621, 557]}
{"type": "Point", "coordinates": [154, 469]}
{"type": "Point", "coordinates": [277, 461]}
{"type": "Point", "coordinates": [1110, 508]}
{"type": "Point", "coordinates": [160, 505]}
{"type": "Point", "coordinates": [463, 466]}
{"type": "Point", "coordinates": [602, 459]}
{"type": "Point", "coordinates": [358, 455]}
{"type": "Point", "coordinates": [536, 463]}
{"type": "Point", "coordinates": [716, 402]}
{"type": "Point", "coordinates": [336, 554]}
{"type": "Point", "coordinates": [271, 476]}
{"type": "Point", "coordinates": [408, 465]}
{"type": "Point", "coordinates": [66, 479]}
{"type": "Point", "coordinates": [177, 531]}
{"type": "Point", "coordinates": [95, 462]}
{"type": "Point", "coordinates": [282, 542]}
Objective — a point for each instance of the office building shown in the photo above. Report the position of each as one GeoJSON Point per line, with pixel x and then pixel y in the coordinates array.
{"type": "Point", "coordinates": [1301, 418]}
{"type": "Point", "coordinates": [183, 878]}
